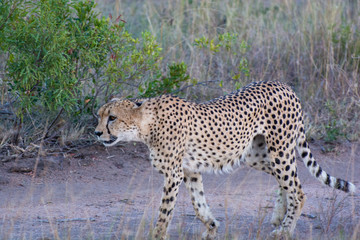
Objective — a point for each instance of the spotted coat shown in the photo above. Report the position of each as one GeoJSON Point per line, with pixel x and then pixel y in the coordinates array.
{"type": "Point", "coordinates": [260, 125]}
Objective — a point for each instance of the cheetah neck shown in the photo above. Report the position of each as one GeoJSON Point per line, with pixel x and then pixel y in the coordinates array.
{"type": "Point", "coordinates": [143, 119]}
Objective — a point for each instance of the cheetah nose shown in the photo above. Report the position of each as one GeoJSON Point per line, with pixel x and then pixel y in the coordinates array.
{"type": "Point", "coordinates": [98, 133]}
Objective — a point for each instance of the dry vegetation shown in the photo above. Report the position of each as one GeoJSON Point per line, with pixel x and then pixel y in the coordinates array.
{"type": "Point", "coordinates": [312, 45]}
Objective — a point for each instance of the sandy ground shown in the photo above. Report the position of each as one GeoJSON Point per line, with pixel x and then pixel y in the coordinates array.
{"type": "Point", "coordinates": [114, 193]}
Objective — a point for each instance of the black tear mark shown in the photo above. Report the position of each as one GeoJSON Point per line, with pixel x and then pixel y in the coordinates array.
{"type": "Point", "coordinates": [107, 127]}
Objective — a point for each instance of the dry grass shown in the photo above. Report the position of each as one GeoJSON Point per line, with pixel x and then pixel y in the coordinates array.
{"type": "Point", "coordinates": [312, 45]}
{"type": "Point", "coordinates": [241, 201]}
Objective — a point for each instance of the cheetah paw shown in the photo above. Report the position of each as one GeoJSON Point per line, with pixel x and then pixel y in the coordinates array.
{"type": "Point", "coordinates": [280, 234]}
{"type": "Point", "coordinates": [276, 220]}
{"type": "Point", "coordinates": [208, 236]}
{"type": "Point", "coordinates": [211, 231]}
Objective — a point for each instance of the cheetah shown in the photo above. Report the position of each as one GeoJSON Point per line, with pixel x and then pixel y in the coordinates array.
{"type": "Point", "coordinates": [260, 125]}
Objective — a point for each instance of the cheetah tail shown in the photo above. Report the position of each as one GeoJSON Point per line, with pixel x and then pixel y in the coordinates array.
{"type": "Point", "coordinates": [315, 169]}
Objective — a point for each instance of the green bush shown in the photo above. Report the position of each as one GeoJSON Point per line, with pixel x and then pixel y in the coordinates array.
{"type": "Point", "coordinates": [228, 44]}
{"type": "Point", "coordinates": [62, 55]}
{"type": "Point", "coordinates": [176, 75]}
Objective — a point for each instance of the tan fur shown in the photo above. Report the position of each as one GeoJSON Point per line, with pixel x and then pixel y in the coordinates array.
{"type": "Point", "coordinates": [260, 125]}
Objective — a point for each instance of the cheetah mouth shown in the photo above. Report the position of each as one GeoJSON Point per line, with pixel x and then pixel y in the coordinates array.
{"type": "Point", "coordinates": [113, 139]}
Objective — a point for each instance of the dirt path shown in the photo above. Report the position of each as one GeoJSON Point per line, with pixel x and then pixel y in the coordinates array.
{"type": "Point", "coordinates": [114, 193]}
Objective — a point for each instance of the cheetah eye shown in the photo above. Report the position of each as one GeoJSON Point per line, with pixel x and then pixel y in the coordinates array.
{"type": "Point", "coordinates": [112, 118]}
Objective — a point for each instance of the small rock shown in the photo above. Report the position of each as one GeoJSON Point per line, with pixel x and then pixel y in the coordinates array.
{"type": "Point", "coordinates": [9, 158]}
{"type": "Point", "coordinates": [311, 216]}
{"type": "Point", "coordinates": [3, 180]}
{"type": "Point", "coordinates": [19, 169]}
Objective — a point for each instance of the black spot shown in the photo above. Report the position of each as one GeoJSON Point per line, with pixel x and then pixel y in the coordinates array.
{"type": "Point", "coordinates": [338, 184]}
{"type": "Point", "coordinates": [319, 172]}
{"type": "Point", "coordinates": [194, 179]}
{"type": "Point", "coordinates": [304, 154]}
{"type": "Point", "coordinates": [346, 187]}
{"type": "Point", "coordinates": [277, 161]}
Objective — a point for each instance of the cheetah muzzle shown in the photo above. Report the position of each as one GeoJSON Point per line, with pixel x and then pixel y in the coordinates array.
{"type": "Point", "coordinates": [260, 125]}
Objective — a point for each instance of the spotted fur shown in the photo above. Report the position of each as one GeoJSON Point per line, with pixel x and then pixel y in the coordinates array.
{"type": "Point", "coordinates": [260, 125]}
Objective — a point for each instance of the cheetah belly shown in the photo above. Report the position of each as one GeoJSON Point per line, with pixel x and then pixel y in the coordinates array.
{"type": "Point", "coordinates": [255, 154]}
{"type": "Point", "coordinates": [204, 160]}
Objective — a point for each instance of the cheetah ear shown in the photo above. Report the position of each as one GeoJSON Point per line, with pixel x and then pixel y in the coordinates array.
{"type": "Point", "coordinates": [114, 99]}
{"type": "Point", "coordinates": [138, 104]}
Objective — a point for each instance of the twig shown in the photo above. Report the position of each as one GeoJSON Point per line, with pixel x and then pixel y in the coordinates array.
{"type": "Point", "coordinates": [68, 220]}
{"type": "Point", "coordinates": [193, 85]}
{"type": "Point", "coordinates": [18, 127]}
{"type": "Point", "coordinates": [13, 7]}
{"type": "Point", "coordinates": [6, 112]}
{"type": "Point", "coordinates": [98, 90]}
{"type": "Point", "coordinates": [40, 149]}
{"type": "Point", "coordinates": [53, 122]}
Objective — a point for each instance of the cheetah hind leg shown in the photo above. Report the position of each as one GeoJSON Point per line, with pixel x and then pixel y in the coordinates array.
{"type": "Point", "coordinates": [295, 197]}
{"type": "Point", "coordinates": [259, 159]}
{"type": "Point", "coordinates": [280, 208]}
{"type": "Point", "coordinates": [194, 184]}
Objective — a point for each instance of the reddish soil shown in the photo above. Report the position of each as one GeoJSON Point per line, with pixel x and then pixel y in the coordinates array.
{"type": "Point", "coordinates": [114, 193]}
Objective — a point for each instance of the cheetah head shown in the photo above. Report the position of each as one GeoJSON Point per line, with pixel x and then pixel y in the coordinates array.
{"type": "Point", "coordinates": [117, 121]}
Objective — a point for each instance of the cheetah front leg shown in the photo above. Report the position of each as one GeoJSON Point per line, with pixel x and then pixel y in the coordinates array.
{"type": "Point", "coordinates": [173, 179]}
{"type": "Point", "coordinates": [194, 184]}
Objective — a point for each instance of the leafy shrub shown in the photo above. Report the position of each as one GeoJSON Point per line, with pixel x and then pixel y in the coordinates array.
{"type": "Point", "coordinates": [176, 75]}
{"type": "Point", "coordinates": [228, 43]}
{"type": "Point", "coordinates": [333, 129]}
{"type": "Point", "coordinates": [61, 55]}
